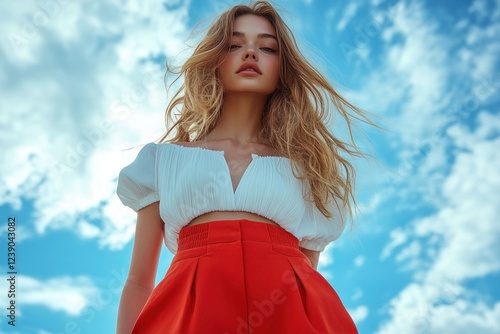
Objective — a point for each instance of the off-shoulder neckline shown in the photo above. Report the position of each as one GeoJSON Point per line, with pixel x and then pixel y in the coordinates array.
{"type": "Point", "coordinates": [254, 155]}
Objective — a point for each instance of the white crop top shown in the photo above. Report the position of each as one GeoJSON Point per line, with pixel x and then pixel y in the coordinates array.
{"type": "Point", "coordinates": [191, 181]}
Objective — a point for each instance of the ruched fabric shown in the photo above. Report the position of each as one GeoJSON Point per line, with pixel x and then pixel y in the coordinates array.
{"type": "Point", "coordinates": [242, 276]}
{"type": "Point", "coordinates": [191, 181]}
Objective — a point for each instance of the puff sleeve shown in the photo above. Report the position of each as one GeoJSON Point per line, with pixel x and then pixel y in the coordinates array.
{"type": "Point", "coordinates": [316, 231]}
{"type": "Point", "coordinates": [137, 182]}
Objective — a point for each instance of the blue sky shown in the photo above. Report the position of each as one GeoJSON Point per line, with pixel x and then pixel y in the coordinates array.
{"type": "Point", "coordinates": [81, 83]}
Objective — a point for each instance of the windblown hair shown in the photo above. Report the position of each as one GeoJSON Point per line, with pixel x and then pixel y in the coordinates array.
{"type": "Point", "coordinates": [294, 116]}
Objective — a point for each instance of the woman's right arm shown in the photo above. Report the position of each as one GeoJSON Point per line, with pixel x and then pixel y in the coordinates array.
{"type": "Point", "coordinates": [143, 267]}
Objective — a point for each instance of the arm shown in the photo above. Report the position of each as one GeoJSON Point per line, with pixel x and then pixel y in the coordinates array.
{"type": "Point", "coordinates": [312, 255]}
{"type": "Point", "coordinates": [144, 264]}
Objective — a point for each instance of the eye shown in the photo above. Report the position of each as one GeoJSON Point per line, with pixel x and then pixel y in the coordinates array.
{"type": "Point", "coordinates": [270, 50]}
{"type": "Point", "coordinates": [234, 47]}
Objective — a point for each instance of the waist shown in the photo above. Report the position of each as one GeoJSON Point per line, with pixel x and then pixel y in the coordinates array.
{"type": "Point", "coordinates": [229, 215]}
{"type": "Point", "coordinates": [232, 230]}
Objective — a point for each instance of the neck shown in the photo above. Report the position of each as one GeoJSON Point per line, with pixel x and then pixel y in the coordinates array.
{"type": "Point", "coordinates": [240, 119]}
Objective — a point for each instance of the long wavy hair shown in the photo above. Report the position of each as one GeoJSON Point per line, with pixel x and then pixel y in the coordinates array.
{"type": "Point", "coordinates": [295, 115]}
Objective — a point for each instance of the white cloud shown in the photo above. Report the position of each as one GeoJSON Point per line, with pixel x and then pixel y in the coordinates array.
{"type": "Point", "coordinates": [347, 15]}
{"type": "Point", "coordinates": [459, 240]}
{"type": "Point", "coordinates": [480, 8]}
{"type": "Point", "coordinates": [410, 255]}
{"type": "Point", "coordinates": [357, 295]}
{"type": "Point", "coordinates": [88, 230]}
{"type": "Point", "coordinates": [421, 60]}
{"type": "Point", "coordinates": [398, 237]}
{"type": "Point", "coordinates": [416, 73]}
{"type": "Point", "coordinates": [359, 261]}
{"type": "Point", "coordinates": [78, 88]}
{"type": "Point", "coordinates": [434, 309]}
{"type": "Point", "coordinates": [359, 313]}
{"type": "Point", "coordinates": [420, 92]}
{"type": "Point", "coordinates": [464, 317]}
{"type": "Point", "coordinates": [70, 295]}
{"type": "Point", "coordinates": [325, 260]}
{"type": "Point", "coordinates": [470, 211]}
{"type": "Point", "coordinates": [465, 225]}
{"type": "Point", "coordinates": [486, 51]}
{"type": "Point", "coordinates": [374, 202]}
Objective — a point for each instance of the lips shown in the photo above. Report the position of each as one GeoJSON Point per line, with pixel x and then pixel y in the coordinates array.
{"type": "Point", "coordinates": [249, 66]}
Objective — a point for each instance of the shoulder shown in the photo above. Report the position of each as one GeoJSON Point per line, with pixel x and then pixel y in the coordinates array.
{"type": "Point", "coordinates": [149, 148]}
{"type": "Point", "coordinates": [146, 155]}
{"type": "Point", "coordinates": [231, 148]}
{"type": "Point", "coordinates": [179, 143]}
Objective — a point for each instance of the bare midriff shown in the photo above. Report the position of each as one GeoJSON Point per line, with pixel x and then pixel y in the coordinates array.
{"type": "Point", "coordinates": [229, 215]}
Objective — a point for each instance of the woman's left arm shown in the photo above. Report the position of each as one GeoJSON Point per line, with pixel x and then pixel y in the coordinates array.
{"type": "Point", "coordinates": [312, 255]}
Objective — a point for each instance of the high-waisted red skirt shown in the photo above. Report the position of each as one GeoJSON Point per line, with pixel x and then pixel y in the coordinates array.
{"type": "Point", "coordinates": [242, 276]}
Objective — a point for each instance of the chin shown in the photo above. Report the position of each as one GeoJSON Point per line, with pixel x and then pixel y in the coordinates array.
{"type": "Point", "coordinates": [257, 91]}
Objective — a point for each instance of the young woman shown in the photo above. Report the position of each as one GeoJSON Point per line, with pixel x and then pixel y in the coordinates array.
{"type": "Point", "coordinates": [247, 193]}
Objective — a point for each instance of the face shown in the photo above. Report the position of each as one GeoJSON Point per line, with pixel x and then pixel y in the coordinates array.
{"type": "Point", "coordinates": [252, 61]}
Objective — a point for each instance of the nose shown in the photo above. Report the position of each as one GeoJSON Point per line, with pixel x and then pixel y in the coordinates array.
{"type": "Point", "coordinates": [250, 54]}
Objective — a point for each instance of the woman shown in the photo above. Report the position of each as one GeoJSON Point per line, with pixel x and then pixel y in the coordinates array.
{"type": "Point", "coordinates": [247, 193]}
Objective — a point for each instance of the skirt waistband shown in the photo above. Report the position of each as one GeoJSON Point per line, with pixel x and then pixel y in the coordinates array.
{"type": "Point", "coordinates": [232, 230]}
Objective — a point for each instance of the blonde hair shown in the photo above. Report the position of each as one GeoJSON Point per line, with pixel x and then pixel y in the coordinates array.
{"type": "Point", "coordinates": [294, 116]}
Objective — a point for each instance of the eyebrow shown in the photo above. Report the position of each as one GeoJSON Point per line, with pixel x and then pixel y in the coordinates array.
{"type": "Point", "coordinates": [262, 35]}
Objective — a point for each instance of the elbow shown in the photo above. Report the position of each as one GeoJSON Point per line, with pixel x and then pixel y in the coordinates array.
{"type": "Point", "coordinates": [142, 284]}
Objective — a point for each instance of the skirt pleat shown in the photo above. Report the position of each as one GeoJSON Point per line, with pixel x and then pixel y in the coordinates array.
{"type": "Point", "coordinates": [242, 276]}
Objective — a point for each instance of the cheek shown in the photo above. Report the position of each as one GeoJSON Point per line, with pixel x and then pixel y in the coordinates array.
{"type": "Point", "coordinates": [222, 72]}
{"type": "Point", "coordinates": [276, 70]}
{"type": "Point", "coordinates": [224, 68]}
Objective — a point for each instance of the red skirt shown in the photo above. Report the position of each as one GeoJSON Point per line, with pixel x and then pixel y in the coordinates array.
{"type": "Point", "coordinates": [242, 276]}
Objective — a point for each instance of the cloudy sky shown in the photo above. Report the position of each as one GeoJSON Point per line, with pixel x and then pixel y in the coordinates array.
{"type": "Point", "coordinates": [81, 83]}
